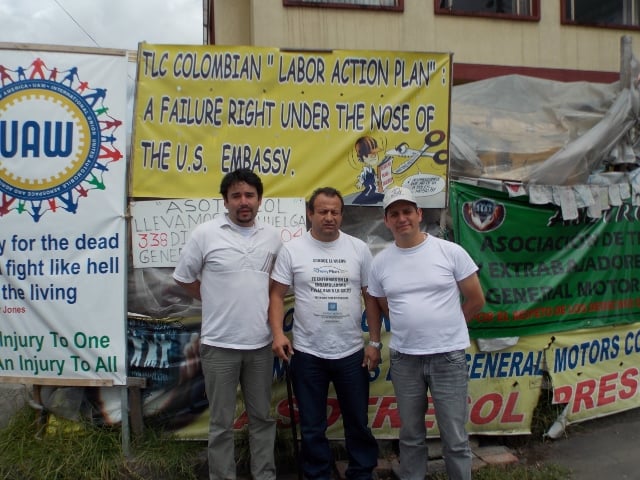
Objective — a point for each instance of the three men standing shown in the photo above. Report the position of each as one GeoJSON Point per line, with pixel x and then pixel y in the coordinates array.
{"type": "Point", "coordinates": [417, 282]}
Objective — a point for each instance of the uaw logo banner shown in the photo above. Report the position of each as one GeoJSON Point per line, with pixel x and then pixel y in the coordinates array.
{"type": "Point", "coordinates": [57, 137]}
{"type": "Point", "coordinates": [62, 214]}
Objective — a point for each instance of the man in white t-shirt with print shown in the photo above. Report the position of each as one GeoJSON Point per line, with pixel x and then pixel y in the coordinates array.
{"type": "Point", "coordinates": [328, 271]}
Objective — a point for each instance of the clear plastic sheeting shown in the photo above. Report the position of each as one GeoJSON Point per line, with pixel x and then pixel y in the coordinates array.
{"type": "Point", "coordinates": [575, 145]}
{"type": "Point", "coordinates": [531, 130]}
{"type": "Point", "coordinates": [597, 151]}
{"type": "Point", "coordinates": [152, 292]}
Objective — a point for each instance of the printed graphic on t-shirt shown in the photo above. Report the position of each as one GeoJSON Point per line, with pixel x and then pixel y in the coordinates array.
{"type": "Point", "coordinates": [331, 288]}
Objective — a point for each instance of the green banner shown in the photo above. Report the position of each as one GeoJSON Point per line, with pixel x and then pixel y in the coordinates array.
{"type": "Point", "coordinates": [541, 274]}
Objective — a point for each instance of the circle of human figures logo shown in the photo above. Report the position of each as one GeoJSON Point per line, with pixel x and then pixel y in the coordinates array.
{"type": "Point", "coordinates": [57, 139]}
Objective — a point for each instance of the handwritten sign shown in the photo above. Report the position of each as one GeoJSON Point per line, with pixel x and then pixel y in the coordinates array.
{"type": "Point", "coordinates": [160, 228]}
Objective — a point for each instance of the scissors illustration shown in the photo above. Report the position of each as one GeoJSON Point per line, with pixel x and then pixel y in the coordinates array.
{"type": "Point", "coordinates": [432, 139]}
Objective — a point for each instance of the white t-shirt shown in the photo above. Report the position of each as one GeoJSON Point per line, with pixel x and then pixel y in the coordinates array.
{"type": "Point", "coordinates": [327, 280]}
{"type": "Point", "coordinates": [234, 273]}
{"type": "Point", "coordinates": [420, 284]}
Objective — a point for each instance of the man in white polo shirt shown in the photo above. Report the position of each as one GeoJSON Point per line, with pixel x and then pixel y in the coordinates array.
{"type": "Point", "coordinates": [226, 263]}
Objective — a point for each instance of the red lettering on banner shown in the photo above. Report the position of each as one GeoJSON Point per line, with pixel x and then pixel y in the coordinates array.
{"type": "Point", "coordinates": [584, 394]}
{"type": "Point", "coordinates": [592, 393]}
{"type": "Point", "coordinates": [607, 384]}
{"type": "Point", "coordinates": [282, 408]}
{"type": "Point", "coordinates": [497, 408]}
{"type": "Point", "coordinates": [333, 411]}
{"type": "Point", "coordinates": [628, 379]}
{"type": "Point", "coordinates": [494, 400]}
{"type": "Point", "coordinates": [488, 408]}
{"type": "Point", "coordinates": [431, 411]}
{"type": "Point", "coordinates": [509, 416]}
{"type": "Point", "coordinates": [387, 410]}
{"type": "Point", "coordinates": [562, 394]}
{"type": "Point", "coordinates": [241, 421]}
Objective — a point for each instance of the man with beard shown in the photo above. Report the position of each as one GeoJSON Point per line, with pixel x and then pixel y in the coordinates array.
{"type": "Point", "coordinates": [226, 264]}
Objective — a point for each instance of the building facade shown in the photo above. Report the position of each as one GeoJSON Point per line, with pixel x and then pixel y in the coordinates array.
{"type": "Point", "coordinates": [568, 40]}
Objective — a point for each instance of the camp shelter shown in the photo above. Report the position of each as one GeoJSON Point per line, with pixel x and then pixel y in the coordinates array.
{"type": "Point", "coordinates": [545, 196]}
{"type": "Point", "coordinates": [561, 151]}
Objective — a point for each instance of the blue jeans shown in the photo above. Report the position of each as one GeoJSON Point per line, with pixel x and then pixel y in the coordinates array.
{"type": "Point", "coordinates": [445, 376]}
{"type": "Point", "coordinates": [223, 370]}
{"type": "Point", "coordinates": [311, 376]}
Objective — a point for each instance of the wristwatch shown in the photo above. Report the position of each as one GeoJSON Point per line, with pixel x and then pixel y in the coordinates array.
{"type": "Point", "coordinates": [377, 345]}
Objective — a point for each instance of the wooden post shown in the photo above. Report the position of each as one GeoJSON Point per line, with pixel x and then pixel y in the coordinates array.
{"type": "Point", "coordinates": [625, 62]}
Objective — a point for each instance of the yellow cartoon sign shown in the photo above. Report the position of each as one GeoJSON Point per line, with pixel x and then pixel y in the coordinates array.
{"type": "Point", "coordinates": [355, 120]}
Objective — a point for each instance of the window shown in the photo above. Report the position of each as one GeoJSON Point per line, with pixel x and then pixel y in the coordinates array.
{"type": "Point", "coordinates": [395, 5]}
{"type": "Point", "coordinates": [602, 13]}
{"type": "Point", "coordinates": [508, 9]}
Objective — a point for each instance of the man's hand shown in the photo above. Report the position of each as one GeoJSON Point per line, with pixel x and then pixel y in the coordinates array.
{"type": "Point", "coordinates": [372, 357]}
{"type": "Point", "coordinates": [281, 347]}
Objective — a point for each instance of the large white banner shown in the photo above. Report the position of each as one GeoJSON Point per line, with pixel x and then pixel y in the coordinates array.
{"type": "Point", "coordinates": [62, 216]}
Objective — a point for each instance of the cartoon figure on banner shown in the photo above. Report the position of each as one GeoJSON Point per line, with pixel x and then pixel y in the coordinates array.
{"type": "Point", "coordinates": [400, 166]}
{"type": "Point", "coordinates": [404, 158]}
{"type": "Point", "coordinates": [48, 163]}
{"type": "Point", "coordinates": [368, 181]}
{"type": "Point", "coordinates": [411, 155]}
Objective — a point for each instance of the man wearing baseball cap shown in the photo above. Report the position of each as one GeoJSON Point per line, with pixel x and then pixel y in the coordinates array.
{"type": "Point", "coordinates": [418, 282]}
{"type": "Point", "coordinates": [395, 194]}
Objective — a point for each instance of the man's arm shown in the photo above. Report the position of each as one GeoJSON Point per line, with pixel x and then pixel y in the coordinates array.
{"type": "Point", "coordinates": [383, 305]}
{"type": "Point", "coordinates": [473, 296]}
{"type": "Point", "coordinates": [281, 345]}
{"type": "Point", "coordinates": [372, 357]}
{"type": "Point", "coordinates": [193, 288]}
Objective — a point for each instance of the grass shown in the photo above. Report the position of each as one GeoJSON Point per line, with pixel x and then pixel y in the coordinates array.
{"type": "Point", "coordinates": [61, 450]}
{"type": "Point", "coordinates": [518, 472]}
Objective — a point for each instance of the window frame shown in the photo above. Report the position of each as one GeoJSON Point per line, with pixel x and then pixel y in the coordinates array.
{"type": "Point", "coordinates": [534, 17]}
{"type": "Point", "coordinates": [398, 7]}
{"type": "Point", "coordinates": [564, 20]}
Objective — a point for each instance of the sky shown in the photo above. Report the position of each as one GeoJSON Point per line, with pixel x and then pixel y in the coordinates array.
{"type": "Point", "coordinates": [120, 24]}
{"type": "Point", "coordinates": [101, 23]}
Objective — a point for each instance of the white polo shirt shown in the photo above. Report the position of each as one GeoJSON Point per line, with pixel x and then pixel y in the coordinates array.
{"type": "Point", "coordinates": [234, 273]}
